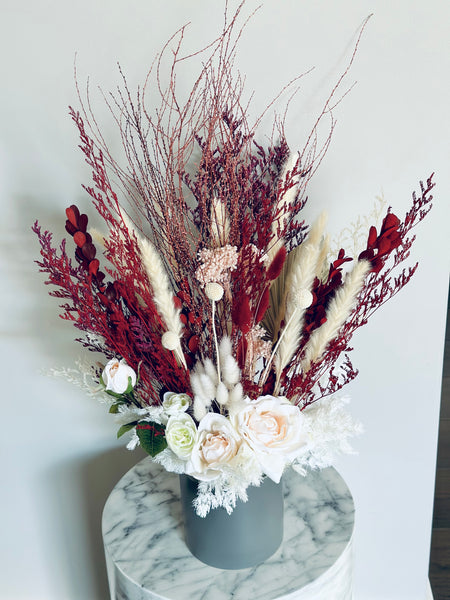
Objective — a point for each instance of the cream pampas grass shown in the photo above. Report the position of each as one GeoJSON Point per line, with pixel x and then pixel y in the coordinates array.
{"type": "Point", "coordinates": [338, 311]}
{"type": "Point", "coordinates": [162, 290]}
{"type": "Point", "coordinates": [306, 266]}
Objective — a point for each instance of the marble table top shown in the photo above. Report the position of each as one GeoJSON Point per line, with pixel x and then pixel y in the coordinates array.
{"type": "Point", "coordinates": [148, 559]}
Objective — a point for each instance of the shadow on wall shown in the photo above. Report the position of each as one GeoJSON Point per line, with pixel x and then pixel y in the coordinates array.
{"type": "Point", "coordinates": [76, 493]}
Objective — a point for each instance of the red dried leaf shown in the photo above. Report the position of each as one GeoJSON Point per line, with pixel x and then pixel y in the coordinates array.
{"type": "Point", "coordinates": [70, 228]}
{"type": "Point", "coordinates": [89, 251]}
{"type": "Point", "coordinates": [384, 246]}
{"type": "Point", "coordinates": [372, 237]}
{"type": "Point", "coordinates": [93, 266]}
{"type": "Point", "coordinates": [82, 222]}
{"type": "Point", "coordinates": [79, 238]}
{"type": "Point", "coordinates": [72, 214]}
{"type": "Point", "coordinates": [193, 343]}
{"type": "Point", "coordinates": [390, 220]}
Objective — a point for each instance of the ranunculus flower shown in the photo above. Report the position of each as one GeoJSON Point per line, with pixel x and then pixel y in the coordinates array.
{"type": "Point", "coordinates": [181, 434]}
{"type": "Point", "coordinates": [115, 376]}
{"type": "Point", "coordinates": [175, 403]}
{"type": "Point", "coordinates": [217, 444]}
{"type": "Point", "coordinates": [273, 428]}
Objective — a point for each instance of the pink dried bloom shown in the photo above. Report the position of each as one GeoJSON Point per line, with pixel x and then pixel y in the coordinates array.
{"type": "Point", "coordinates": [216, 264]}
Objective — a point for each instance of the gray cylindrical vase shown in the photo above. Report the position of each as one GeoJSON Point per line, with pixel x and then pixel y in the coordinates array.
{"type": "Point", "coordinates": [246, 537]}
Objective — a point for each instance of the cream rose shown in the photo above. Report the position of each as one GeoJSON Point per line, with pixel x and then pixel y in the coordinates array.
{"type": "Point", "coordinates": [181, 434]}
{"type": "Point", "coordinates": [217, 445]}
{"type": "Point", "coordinates": [175, 403]}
{"type": "Point", "coordinates": [116, 376]}
{"type": "Point", "coordinates": [274, 430]}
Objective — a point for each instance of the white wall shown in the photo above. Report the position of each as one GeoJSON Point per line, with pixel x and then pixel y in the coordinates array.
{"type": "Point", "coordinates": [59, 453]}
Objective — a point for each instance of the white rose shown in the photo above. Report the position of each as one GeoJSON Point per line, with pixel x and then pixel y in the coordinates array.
{"type": "Point", "coordinates": [274, 430]}
{"type": "Point", "coordinates": [218, 443]}
{"type": "Point", "coordinates": [115, 376]}
{"type": "Point", "coordinates": [175, 403]}
{"type": "Point", "coordinates": [181, 434]}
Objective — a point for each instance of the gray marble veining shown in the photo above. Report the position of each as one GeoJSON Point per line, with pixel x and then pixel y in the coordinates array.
{"type": "Point", "coordinates": [147, 558]}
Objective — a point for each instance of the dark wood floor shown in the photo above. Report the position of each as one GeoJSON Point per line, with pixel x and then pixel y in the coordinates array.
{"type": "Point", "coordinates": [440, 541]}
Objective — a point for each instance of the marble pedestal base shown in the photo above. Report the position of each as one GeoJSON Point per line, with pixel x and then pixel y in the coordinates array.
{"type": "Point", "coordinates": [147, 558]}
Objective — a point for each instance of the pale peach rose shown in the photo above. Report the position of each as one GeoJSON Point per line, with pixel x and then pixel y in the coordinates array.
{"type": "Point", "coordinates": [273, 428]}
{"type": "Point", "coordinates": [217, 445]}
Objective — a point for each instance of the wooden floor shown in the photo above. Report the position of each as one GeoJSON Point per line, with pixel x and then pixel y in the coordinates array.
{"type": "Point", "coordinates": [440, 542]}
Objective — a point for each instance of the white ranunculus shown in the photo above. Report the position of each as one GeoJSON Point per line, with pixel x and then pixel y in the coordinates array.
{"type": "Point", "coordinates": [115, 376]}
{"type": "Point", "coordinates": [181, 434]}
{"type": "Point", "coordinates": [174, 403]}
{"type": "Point", "coordinates": [217, 445]}
{"type": "Point", "coordinates": [273, 428]}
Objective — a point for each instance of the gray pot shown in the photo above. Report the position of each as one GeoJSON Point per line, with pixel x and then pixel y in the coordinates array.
{"type": "Point", "coordinates": [246, 537]}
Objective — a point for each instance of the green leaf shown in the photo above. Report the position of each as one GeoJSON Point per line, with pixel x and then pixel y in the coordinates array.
{"type": "Point", "coordinates": [151, 436]}
{"type": "Point", "coordinates": [126, 428]}
{"type": "Point", "coordinates": [130, 386]}
{"type": "Point", "coordinates": [114, 394]}
{"type": "Point", "coordinates": [114, 408]}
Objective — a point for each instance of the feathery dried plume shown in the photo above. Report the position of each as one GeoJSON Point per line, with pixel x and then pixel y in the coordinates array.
{"type": "Point", "coordinates": [162, 292]}
{"type": "Point", "coordinates": [304, 269]}
{"type": "Point", "coordinates": [337, 313]}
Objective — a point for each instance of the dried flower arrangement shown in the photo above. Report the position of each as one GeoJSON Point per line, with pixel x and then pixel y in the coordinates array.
{"type": "Point", "coordinates": [224, 319]}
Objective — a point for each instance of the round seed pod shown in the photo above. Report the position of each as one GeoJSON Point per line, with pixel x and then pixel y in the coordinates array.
{"type": "Point", "coordinates": [214, 291]}
{"type": "Point", "coordinates": [170, 340]}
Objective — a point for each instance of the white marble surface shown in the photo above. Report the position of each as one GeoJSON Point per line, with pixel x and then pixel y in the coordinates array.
{"type": "Point", "coordinates": [147, 558]}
